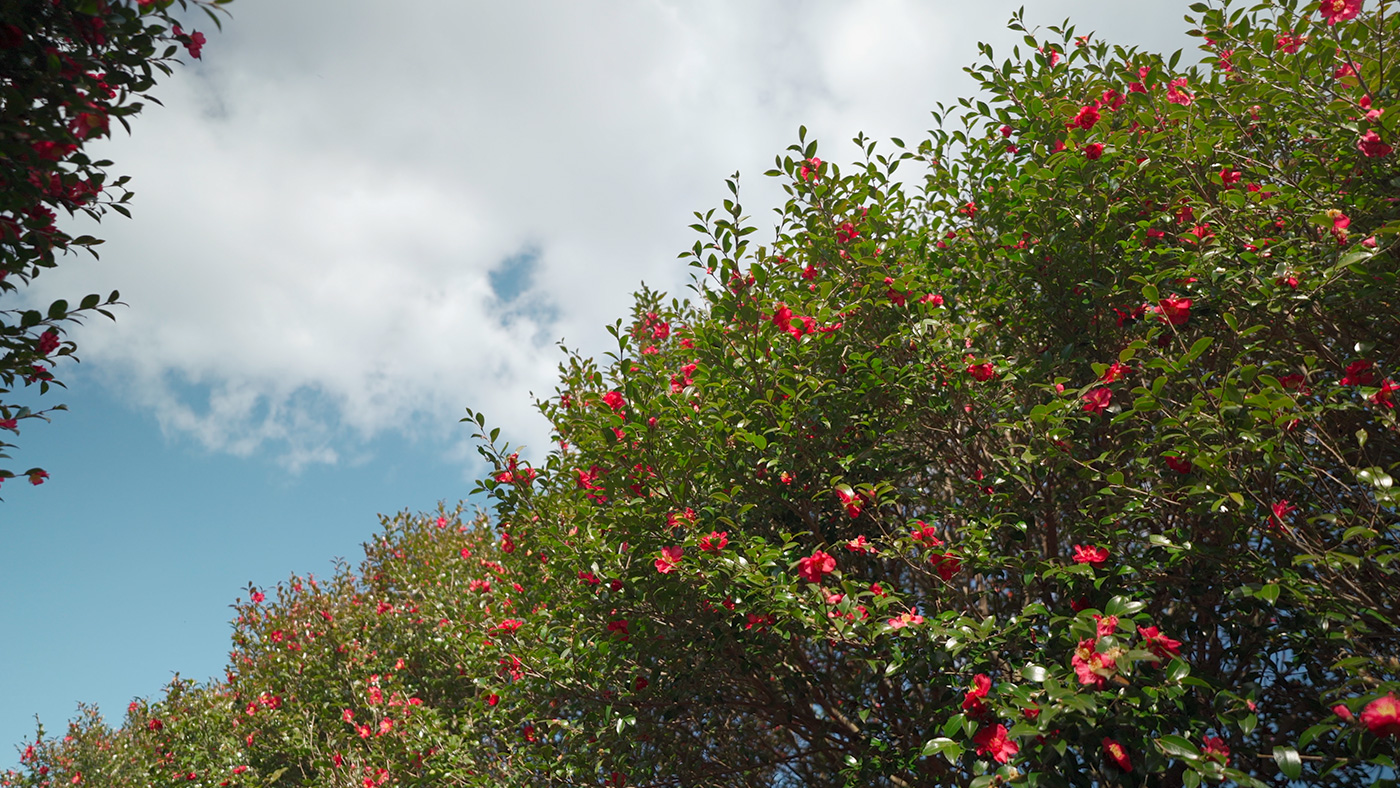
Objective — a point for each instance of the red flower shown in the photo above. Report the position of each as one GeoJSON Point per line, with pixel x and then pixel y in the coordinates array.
{"type": "Point", "coordinates": [1173, 311]}
{"type": "Point", "coordinates": [1215, 748]}
{"type": "Point", "coordinates": [1179, 464]}
{"type": "Point", "coordinates": [1382, 716]}
{"type": "Point", "coordinates": [509, 625]}
{"type": "Point", "coordinates": [588, 578]}
{"type": "Point", "coordinates": [715, 542]}
{"type": "Point", "coordinates": [1092, 555]}
{"type": "Point", "coordinates": [48, 342]}
{"type": "Point", "coordinates": [972, 699]}
{"type": "Point", "coordinates": [1334, 11]}
{"type": "Point", "coordinates": [1281, 510]}
{"type": "Point", "coordinates": [196, 41]}
{"type": "Point", "coordinates": [1096, 400]}
{"type": "Point", "coordinates": [905, 620]}
{"type": "Point", "coordinates": [1159, 644]}
{"type": "Point", "coordinates": [1288, 43]}
{"type": "Point", "coordinates": [493, 699]}
{"type": "Point", "coordinates": [1091, 667]}
{"type": "Point", "coordinates": [1342, 711]}
{"type": "Point", "coordinates": [850, 500]}
{"type": "Point", "coordinates": [816, 566]}
{"type": "Point", "coordinates": [847, 232]}
{"type": "Point", "coordinates": [1371, 146]}
{"type": "Point", "coordinates": [155, 725]}
{"type": "Point", "coordinates": [614, 400]}
{"type": "Point", "coordinates": [1118, 754]}
{"type": "Point", "coordinates": [670, 559]}
{"type": "Point", "coordinates": [1115, 371]}
{"type": "Point", "coordinates": [1384, 396]}
{"type": "Point", "coordinates": [619, 627]}
{"type": "Point", "coordinates": [1093, 151]}
{"type": "Point", "coordinates": [1359, 373]}
{"type": "Point", "coordinates": [1176, 95]}
{"type": "Point", "coordinates": [932, 298]}
{"type": "Point", "coordinates": [1086, 118]}
{"type": "Point", "coordinates": [981, 372]}
{"type": "Point", "coordinates": [925, 533]}
{"type": "Point", "coordinates": [946, 564]}
{"type": "Point", "coordinates": [37, 478]}
{"type": "Point", "coordinates": [811, 169]}
{"type": "Point", "coordinates": [993, 741]}
{"type": "Point", "coordinates": [860, 545]}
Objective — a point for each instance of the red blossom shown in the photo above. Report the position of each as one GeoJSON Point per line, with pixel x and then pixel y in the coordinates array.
{"type": "Point", "coordinates": [1334, 11]}
{"type": "Point", "coordinates": [1281, 510]}
{"type": "Point", "coordinates": [1371, 145]}
{"type": "Point", "coordinates": [1118, 754]}
{"type": "Point", "coordinates": [816, 566]}
{"type": "Point", "coordinates": [905, 620]}
{"type": "Point", "coordinates": [1159, 644]}
{"type": "Point", "coordinates": [1173, 311]}
{"type": "Point", "coordinates": [1215, 748]}
{"type": "Point", "coordinates": [972, 699]}
{"type": "Point", "coordinates": [1359, 373]}
{"type": "Point", "coordinates": [1096, 400]}
{"type": "Point", "coordinates": [670, 559]}
{"type": "Point", "coordinates": [860, 545]}
{"type": "Point", "coordinates": [716, 541]}
{"type": "Point", "coordinates": [810, 169]}
{"type": "Point", "coordinates": [946, 564]}
{"type": "Point", "coordinates": [1179, 464]}
{"type": "Point", "coordinates": [992, 740]}
{"type": "Point", "coordinates": [1176, 93]}
{"type": "Point", "coordinates": [1093, 151]}
{"type": "Point", "coordinates": [1115, 371]}
{"type": "Point", "coordinates": [1382, 716]}
{"type": "Point", "coordinates": [1092, 555]}
{"type": "Point", "coordinates": [1385, 396]}
{"type": "Point", "coordinates": [982, 372]}
{"type": "Point", "coordinates": [1087, 117]}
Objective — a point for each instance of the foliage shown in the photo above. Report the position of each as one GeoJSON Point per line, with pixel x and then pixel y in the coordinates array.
{"type": "Point", "coordinates": [1069, 464]}
{"type": "Point", "coordinates": [71, 68]}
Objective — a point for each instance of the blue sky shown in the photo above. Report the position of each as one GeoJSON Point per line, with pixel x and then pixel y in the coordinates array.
{"type": "Point", "coordinates": [349, 226]}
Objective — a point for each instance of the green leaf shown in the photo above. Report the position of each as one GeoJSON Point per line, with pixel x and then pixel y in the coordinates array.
{"type": "Point", "coordinates": [1179, 747]}
{"type": "Point", "coordinates": [1288, 762]}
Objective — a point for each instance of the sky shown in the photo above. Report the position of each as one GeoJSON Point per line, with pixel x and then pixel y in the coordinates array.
{"type": "Point", "coordinates": [350, 225]}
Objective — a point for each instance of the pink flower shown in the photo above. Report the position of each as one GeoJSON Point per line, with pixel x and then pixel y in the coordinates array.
{"type": "Point", "coordinates": [670, 559]}
{"type": "Point", "coordinates": [1176, 95]}
{"type": "Point", "coordinates": [1342, 711]}
{"type": "Point", "coordinates": [1118, 754]}
{"type": "Point", "coordinates": [614, 400]}
{"type": "Point", "coordinates": [847, 232]}
{"type": "Point", "coordinates": [1372, 114]}
{"type": "Point", "coordinates": [48, 342]}
{"type": "Point", "coordinates": [1173, 311]}
{"type": "Point", "coordinates": [37, 478]}
{"type": "Point", "coordinates": [716, 541]}
{"type": "Point", "coordinates": [256, 597]}
{"type": "Point", "coordinates": [906, 620]}
{"type": "Point", "coordinates": [1382, 716]}
{"type": "Point", "coordinates": [1093, 151]}
{"type": "Point", "coordinates": [1086, 118]}
{"type": "Point", "coordinates": [810, 169]}
{"type": "Point", "coordinates": [993, 741]}
{"type": "Point", "coordinates": [509, 625]}
{"type": "Point", "coordinates": [816, 566]}
{"type": "Point", "coordinates": [1334, 11]}
{"type": "Point", "coordinates": [1092, 555]}
{"type": "Point", "coordinates": [932, 298]}
{"type": "Point", "coordinates": [1095, 400]}
{"type": "Point", "coordinates": [1091, 667]}
{"type": "Point", "coordinates": [1115, 371]}
{"type": "Point", "coordinates": [1288, 43]}
{"type": "Point", "coordinates": [195, 43]}
{"type": "Point", "coordinates": [1371, 146]}
{"type": "Point", "coordinates": [860, 545]}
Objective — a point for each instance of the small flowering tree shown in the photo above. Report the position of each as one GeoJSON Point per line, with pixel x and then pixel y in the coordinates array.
{"type": "Point", "coordinates": [1071, 465]}
{"type": "Point", "coordinates": [72, 68]}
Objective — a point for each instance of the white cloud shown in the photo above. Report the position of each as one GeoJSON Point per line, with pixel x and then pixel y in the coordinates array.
{"type": "Point", "coordinates": [320, 204]}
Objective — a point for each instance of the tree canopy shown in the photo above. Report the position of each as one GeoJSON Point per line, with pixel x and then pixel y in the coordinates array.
{"type": "Point", "coordinates": [1065, 460]}
{"type": "Point", "coordinates": [68, 69]}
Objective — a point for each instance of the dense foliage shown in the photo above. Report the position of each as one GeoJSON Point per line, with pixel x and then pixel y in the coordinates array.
{"type": "Point", "coordinates": [68, 69]}
{"type": "Point", "coordinates": [1068, 464]}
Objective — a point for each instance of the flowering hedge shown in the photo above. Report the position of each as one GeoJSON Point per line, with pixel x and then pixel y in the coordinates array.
{"type": "Point", "coordinates": [1068, 464]}
{"type": "Point", "coordinates": [70, 69]}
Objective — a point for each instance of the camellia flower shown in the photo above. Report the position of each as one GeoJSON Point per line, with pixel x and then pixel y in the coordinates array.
{"type": "Point", "coordinates": [1215, 748]}
{"type": "Point", "coordinates": [1334, 11]}
{"type": "Point", "coordinates": [972, 699]}
{"type": "Point", "coordinates": [1386, 394]}
{"type": "Point", "coordinates": [810, 169]}
{"type": "Point", "coordinates": [981, 372]}
{"type": "Point", "coordinates": [1087, 117]}
{"type": "Point", "coordinates": [992, 740]}
{"type": "Point", "coordinates": [1093, 151]}
{"type": "Point", "coordinates": [1173, 311]}
{"type": "Point", "coordinates": [1118, 754]}
{"type": "Point", "coordinates": [715, 542]}
{"type": "Point", "coordinates": [509, 625]}
{"type": "Point", "coordinates": [1342, 711]}
{"type": "Point", "coordinates": [905, 620]}
{"type": "Point", "coordinates": [1095, 400]}
{"type": "Point", "coordinates": [1092, 555]}
{"type": "Point", "coordinates": [1115, 371]}
{"type": "Point", "coordinates": [614, 400]}
{"type": "Point", "coordinates": [1176, 94]}
{"type": "Point", "coordinates": [1382, 716]}
{"type": "Point", "coordinates": [850, 500]}
{"type": "Point", "coordinates": [1359, 373]}
{"type": "Point", "coordinates": [1179, 464]}
{"type": "Point", "coordinates": [670, 559]}
{"type": "Point", "coordinates": [816, 566]}
{"type": "Point", "coordinates": [860, 545]}
{"type": "Point", "coordinates": [946, 564]}
{"type": "Point", "coordinates": [1371, 146]}
{"type": "Point", "coordinates": [37, 478]}
{"type": "Point", "coordinates": [1091, 667]}
{"type": "Point", "coordinates": [1281, 510]}
{"type": "Point", "coordinates": [1159, 644]}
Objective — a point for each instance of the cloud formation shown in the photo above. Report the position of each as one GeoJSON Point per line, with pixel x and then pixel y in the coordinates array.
{"type": "Point", "coordinates": [351, 220]}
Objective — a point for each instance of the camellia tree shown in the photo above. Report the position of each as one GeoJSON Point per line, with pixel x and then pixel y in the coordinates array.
{"type": "Point", "coordinates": [70, 69]}
{"type": "Point", "coordinates": [1068, 464]}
